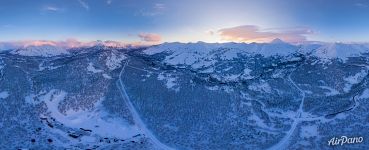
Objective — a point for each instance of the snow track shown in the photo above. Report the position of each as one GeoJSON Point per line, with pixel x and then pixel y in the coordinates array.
{"type": "Point", "coordinates": [136, 117]}
{"type": "Point", "coordinates": [283, 144]}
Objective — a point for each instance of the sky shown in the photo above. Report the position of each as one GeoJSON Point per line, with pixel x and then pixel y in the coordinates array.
{"type": "Point", "coordinates": [157, 21]}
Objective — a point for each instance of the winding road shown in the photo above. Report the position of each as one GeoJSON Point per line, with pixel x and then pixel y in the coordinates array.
{"type": "Point", "coordinates": [285, 140]}
{"type": "Point", "coordinates": [136, 117]}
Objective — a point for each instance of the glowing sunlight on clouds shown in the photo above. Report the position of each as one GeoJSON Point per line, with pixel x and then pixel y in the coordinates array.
{"type": "Point", "coordinates": [150, 37]}
{"type": "Point", "coordinates": [251, 33]}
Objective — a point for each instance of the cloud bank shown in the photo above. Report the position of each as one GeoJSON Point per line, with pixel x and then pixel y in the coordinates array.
{"type": "Point", "coordinates": [251, 33]}
{"type": "Point", "coordinates": [150, 37]}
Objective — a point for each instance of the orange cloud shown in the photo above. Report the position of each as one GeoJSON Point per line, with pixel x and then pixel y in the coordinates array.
{"type": "Point", "coordinates": [251, 33]}
{"type": "Point", "coordinates": [38, 43]}
{"type": "Point", "coordinates": [150, 37]}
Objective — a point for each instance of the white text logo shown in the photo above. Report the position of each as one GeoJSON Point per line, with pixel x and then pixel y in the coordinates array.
{"type": "Point", "coordinates": [345, 140]}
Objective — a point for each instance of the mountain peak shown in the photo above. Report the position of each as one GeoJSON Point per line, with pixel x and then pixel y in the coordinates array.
{"type": "Point", "coordinates": [277, 41]}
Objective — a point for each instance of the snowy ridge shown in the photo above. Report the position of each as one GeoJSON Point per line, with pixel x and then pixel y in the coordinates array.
{"type": "Point", "coordinates": [67, 44]}
{"type": "Point", "coordinates": [266, 49]}
{"type": "Point", "coordinates": [7, 46]}
{"type": "Point", "coordinates": [114, 60]}
{"type": "Point", "coordinates": [44, 51]}
{"type": "Point", "coordinates": [204, 54]}
{"type": "Point", "coordinates": [340, 51]}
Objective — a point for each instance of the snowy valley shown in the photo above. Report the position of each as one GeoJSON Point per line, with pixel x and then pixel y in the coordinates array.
{"type": "Point", "coordinates": [184, 96]}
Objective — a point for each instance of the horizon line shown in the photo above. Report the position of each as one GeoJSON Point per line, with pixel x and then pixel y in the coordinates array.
{"type": "Point", "coordinates": [73, 43]}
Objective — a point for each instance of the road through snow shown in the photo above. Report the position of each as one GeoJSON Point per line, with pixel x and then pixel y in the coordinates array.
{"type": "Point", "coordinates": [285, 140]}
{"type": "Point", "coordinates": [136, 117]}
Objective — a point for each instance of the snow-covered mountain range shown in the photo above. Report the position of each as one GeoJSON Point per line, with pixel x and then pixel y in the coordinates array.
{"type": "Point", "coordinates": [276, 47]}
{"type": "Point", "coordinates": [184, 96]}
{"type": "Point", "coordinates": [44, 51]}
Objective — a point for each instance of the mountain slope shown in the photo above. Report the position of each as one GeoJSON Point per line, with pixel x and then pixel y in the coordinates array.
{"type": "Point", "coordinates": [184, 96]}
{"type": "Point", "coordinates": [44, 51]}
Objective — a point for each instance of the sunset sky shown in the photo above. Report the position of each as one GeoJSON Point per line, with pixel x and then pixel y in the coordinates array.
{"type": "Point", "coordinates": [156, 21]}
